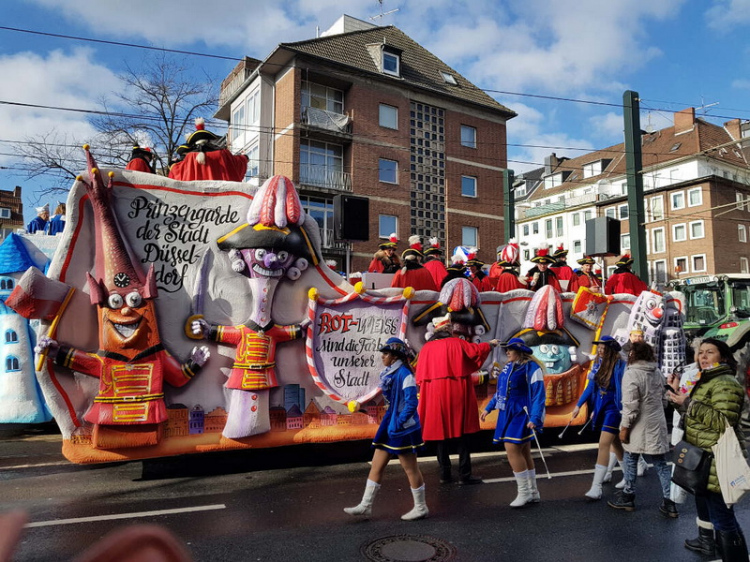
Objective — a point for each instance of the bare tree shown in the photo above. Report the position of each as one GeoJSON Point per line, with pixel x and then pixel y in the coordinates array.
{"type": "Point", "coordinates": [156, 107]}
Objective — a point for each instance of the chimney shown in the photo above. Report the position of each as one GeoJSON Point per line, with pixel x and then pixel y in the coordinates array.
{"type": "Point", "coordinates": [550, 163]}
{"type": "Point", "coordinates": [734, 128]}
{"type": "Point", "coordinates": [684, 120]}
{"type": "Point", "coordinates": [17, 191]}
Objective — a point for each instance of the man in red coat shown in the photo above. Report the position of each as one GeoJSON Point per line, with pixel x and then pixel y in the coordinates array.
{"type": "Point", "coordinates": [478, 276]}
{"type": "Point", "coordinates": [623, 280]}
{"type": "Point", "coordinates": [205, 158]}
{"type": "Point", "coordinates": [141, 160]}
{"type": "Point", "coordinates": [413, 273]}
{"type": "Point", "coordinates": [564, 273]}
{"type": "Point", "coordinates": [433, 263]}
{"type": "Point", "coordinates": [448, 406]}
{"type": "Point", "coordinates": [541, 274]}
{"type": "Point", "coordinates": [587, 278]}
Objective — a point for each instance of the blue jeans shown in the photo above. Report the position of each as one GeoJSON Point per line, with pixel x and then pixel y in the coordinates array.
{"type": "Point", "coordinates": [711, 507]}
{"type": "Point", "coordinates": [630, 463]}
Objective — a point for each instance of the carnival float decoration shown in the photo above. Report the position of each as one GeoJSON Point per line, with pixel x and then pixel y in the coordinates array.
{"type": "Point", "coordinates": [149, 265]}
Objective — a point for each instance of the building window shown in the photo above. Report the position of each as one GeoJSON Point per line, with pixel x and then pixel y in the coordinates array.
{"type": "Point", "coordinates": [526, 230]}
{"type": "Point", "coordinates": [469, 236]}
{"type": "Point", "coordinates": [11, 336]}
{"type": "Point", "coordinates": [322, 97]}
{"type": "Point", "coordinates": [694, 197]}
{"type": "Point", "coordinates": [548, 228]}
{"type": "Point", "coordinates": [587, 215]}
{"type": "Point", "coordinates": [625, 241]}
{"type": "Point", "coordinates": [535, 228]}
{"type": "Point", "coordinates": [576, 219]}
{"type": "Point", "coordinates": [699, 263]}
{"type": "Point", "coordinates": [388, 116]}
{"type": "Point", "coordinates": [6, 284]}
{"type": "Point", "coordinates": [576, 246]}
{"type": "Point", "coordinates": [387, 171]}
{"type": "Point", "coordinates": [558, 227]}
{"type": "Point", "coordinates": [696, 230]}
{"type": "Point", "coordinates": [659, 242]}
{"type": "Point", "coordinates": [391, 63]}
{"type": "Point", "coordinates": [656, 208]}
{"type": "Point", "coordinates": [253, 162]}
{"type": "Point", "coordinates": [448, 78]}
{"type": "Point", "coordinates": [553, 181]}
{"type": "Point", "coordinates": [592, 169]}
{"type": "Point", "coordinates": [742, 233]}
{"type": "Point", "coordinates": [681, 265]}
{"type": "Point", "coordinates": [677, 200]}
{"type": "Point", "coordinates": [744, 268]}
{"type": "Point", "coordinates": [238, 122]}
{"type": "Point", "coordinates": [468, 136]}
{"type": "Point", "coordinates": [468, 186]}
{"type": "Point", "coordinates": [387, 225]}
{"type": "Point", "coordinates": [623, 210]}
{"type": "Point", "coordinates": [660, 271]}
{"type": "Point", "coordinates": [321, 210]}
{"type": "Point", "coordinates": [526, 255]}
{"type": "Point", "coordinates": [610, 270]}
{"type": "Point", "coordinates": [253, 107]}
{"type": "Point", "coordinates": [321, 164]}
{"type": "Point", "coordinates": [679, 232]}
{"type": "Point", "coordinates": [11, 364]}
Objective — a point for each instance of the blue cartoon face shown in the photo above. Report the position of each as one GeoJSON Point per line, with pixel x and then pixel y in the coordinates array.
{"type": "Point", "coordinates": [554, 357]}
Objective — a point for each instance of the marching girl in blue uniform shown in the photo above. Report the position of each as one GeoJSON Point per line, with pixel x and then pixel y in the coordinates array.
{"type": "Point", "coordinates": [400, 432]}
{"type": "Point", "coordinates": [520, 385]}
{"type": "Point", "coordinates": [604, 394]}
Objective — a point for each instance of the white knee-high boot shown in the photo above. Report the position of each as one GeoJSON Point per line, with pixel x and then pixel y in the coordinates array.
{"type": "Point", "coordinates": [524, 489]}
{"type": "Point", "coordinates": [642, 466]}
{"type": "Point", "coordinates": [595, 493]}
{"type": "Point", "coordinates": [535, 497]}
{"type": "Point", "coordinates": [419, 511]}
{"type": "Point", "coordinates": [364, 509]}
{"type": "Point", "coordinates": [610, 467]}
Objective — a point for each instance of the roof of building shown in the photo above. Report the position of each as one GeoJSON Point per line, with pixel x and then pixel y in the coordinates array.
{"type": "Point", "coordinates": [658, 148]}
{"type": "Point", "coordinates": [14, 257]}
{"type": "Point", "coordinates": [419, 67]}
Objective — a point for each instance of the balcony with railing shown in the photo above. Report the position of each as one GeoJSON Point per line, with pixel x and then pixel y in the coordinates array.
{"type": "Point", "coordinates": [556, 207]}
{"type": "Point", "coordinates": [324, 176]}
{"type": "Point", "coordinates": [338, 125]}
{"type": "Point", "coordinates": [329, 243]}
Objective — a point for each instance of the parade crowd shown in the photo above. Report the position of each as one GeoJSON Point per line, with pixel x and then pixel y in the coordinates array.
{"type": "Point", "coordinates": [627, 397]}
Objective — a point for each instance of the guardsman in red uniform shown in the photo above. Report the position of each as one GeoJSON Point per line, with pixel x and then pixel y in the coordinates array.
{"type": "Point", "coordinates": [205, 158]}
{"type": "Point", "coordinates": [503, 273]}
{"type": "Point", "coordinates": [141, 160]}
{"type": "Point", "coordinates": [623, 280]}
{"type": "Point", "coordinates": [587, 278]}
{"type": "Point", "coordinates": [541, 274]}
{"type": "Point", "coordinates": [273, 244]}
{"type": "Point", "coordinates": [433, 257]}
{"type": "Point", "coordinates": [132, 363]}
{"type": "Point", "coordinates": [565, 274]}
{"type": "Point", "coordinates": [478, 277]}
{"type": "Point", "coordinates": [385, 259]}
{"type": "Point", "coordinates": [413, 273]}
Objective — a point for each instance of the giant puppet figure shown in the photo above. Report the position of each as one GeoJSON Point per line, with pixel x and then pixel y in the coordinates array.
{"type": "Point", "coordinates": [273, 244]}
{"type": "Point", "coordinates": [131, 363]}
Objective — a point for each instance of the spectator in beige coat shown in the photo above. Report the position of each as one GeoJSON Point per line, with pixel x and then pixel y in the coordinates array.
{"type": "Point", "coordinates": [643, 429]}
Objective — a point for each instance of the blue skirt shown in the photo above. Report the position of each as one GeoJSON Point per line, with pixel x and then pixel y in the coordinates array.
{"type": "Point", "coordinates": [511, 425]}
{"type": "Point", "coordinates": [409, 443]}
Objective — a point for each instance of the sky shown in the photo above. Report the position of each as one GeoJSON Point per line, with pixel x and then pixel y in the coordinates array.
{"type": "Point", "coordinates": [562, 65]}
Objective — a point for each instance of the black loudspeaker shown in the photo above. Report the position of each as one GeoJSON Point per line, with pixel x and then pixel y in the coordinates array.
{"type": "Point", "coordinates": [603, 236]}
{"type": "Point", "coordinates": [351, 218]}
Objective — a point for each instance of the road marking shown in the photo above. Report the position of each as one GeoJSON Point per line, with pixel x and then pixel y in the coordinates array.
{"type": "Point", "coordinates": [36, 465]}
{"type": "Point", "coordinates": [548, 450]}
{"type": "Point", "coordinates": [543, 475]}
{"type": "Point", "coordinates": [125, 515]}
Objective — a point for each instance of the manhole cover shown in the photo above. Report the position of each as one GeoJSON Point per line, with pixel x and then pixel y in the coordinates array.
{"type": "Point", "coordinates": [408, 548]}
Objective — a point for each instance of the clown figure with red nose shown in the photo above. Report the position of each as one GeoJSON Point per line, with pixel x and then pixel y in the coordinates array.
{"type": "Point", "coordinates": [271, 246]}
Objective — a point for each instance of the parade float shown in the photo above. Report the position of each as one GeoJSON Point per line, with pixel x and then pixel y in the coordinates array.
{"type": "Point", "coordinates": [182, 317]}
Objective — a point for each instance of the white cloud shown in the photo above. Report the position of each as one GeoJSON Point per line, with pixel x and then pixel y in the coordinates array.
{"type": "Point", "coordinates": [741, 84]}
{"type": "Point", "coordinates": [728, 14]}
{"type": "Point", "coordinates": [608, 125]}
{"type": "Point", "coordinates": [58, 79]}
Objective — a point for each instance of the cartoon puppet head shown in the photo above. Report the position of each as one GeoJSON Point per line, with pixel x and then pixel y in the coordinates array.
{"type": "Point", "coordinates": [273, 244]}
{"type": "Point", "coordinates": [460, 299]}
{"type": "Point", "coordinates": [125, 299]}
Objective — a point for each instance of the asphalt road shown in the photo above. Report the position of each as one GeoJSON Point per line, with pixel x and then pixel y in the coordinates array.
{"type": "Point", "coordinates": [286, 504]}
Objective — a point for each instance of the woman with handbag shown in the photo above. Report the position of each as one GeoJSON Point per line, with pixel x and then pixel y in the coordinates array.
{"type": "Point", "coordinates": [716, 399]}
{"type": "Point", "coordinates": [604, 391]}
{"type": "Point", "coordinates": [643, 429]}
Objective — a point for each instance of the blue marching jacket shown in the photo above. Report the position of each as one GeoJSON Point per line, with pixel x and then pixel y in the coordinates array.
{"type": "Point", "coordinates": [605, 398]}
{"type": "Point", "coordinates": [518, 386]}
{"type": "Point", "coordinates": [401, 419]}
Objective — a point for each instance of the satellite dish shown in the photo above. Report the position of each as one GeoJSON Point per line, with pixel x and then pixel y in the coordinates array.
{"type": "Point", "coordinates": [650, 128]}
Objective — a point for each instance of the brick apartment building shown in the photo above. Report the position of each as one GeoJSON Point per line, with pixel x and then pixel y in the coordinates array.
{"type": "Point", "coordinates": [696, 180]}
{"type": "Point", "coordinates": [365, 110]}
{"type": "Point", "coordinates": [11, 211]}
